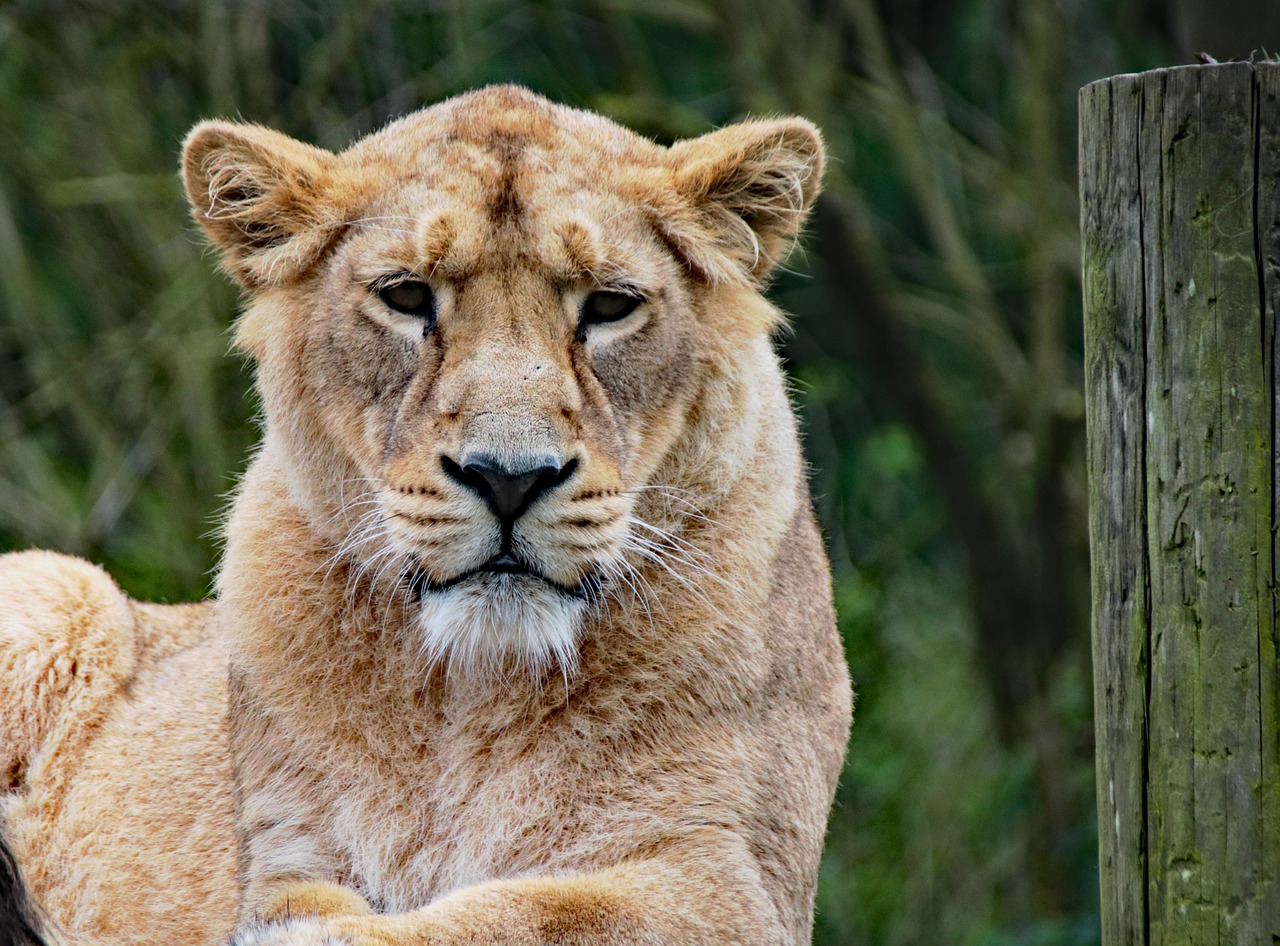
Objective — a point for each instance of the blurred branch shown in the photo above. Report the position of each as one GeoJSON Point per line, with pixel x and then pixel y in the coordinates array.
{"type": "Point", "coordinates": [1037, 114]}
{"type": "Point", "coordinates": [887, 352]}
{"type": "Point", "coordinates": [900, 119]}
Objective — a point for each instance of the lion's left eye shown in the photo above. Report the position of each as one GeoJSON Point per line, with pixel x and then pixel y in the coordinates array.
{"type": "Point", "coordinates": [607, 306]}
{"type": "Point", "coordinates": [411, 297]}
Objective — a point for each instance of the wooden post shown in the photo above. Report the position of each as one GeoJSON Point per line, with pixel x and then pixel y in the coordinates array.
{"type": "Point", "coordinates": [1180, 208]}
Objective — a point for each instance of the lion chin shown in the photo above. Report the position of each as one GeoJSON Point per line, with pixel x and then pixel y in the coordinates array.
{"type": "Point", "coordinates": [495, 624]}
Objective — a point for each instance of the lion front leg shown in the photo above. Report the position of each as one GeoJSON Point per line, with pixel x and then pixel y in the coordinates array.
{"type": "Point", "coordinates": [688, 896]}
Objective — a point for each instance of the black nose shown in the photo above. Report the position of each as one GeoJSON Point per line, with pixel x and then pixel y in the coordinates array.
{"type": "Point", "coordinates": [508, 492]}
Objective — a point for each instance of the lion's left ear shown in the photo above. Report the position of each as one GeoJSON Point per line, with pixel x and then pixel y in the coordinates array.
{"type": "Point", "coordinates": [750, 187]}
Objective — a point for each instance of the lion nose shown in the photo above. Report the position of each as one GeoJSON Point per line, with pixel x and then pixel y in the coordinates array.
{"type": "Point", "coordinates": [508, 492]}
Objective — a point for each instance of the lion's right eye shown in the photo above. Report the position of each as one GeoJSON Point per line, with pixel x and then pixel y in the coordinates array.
{"type": "Point", "coordinates": [411, 296]}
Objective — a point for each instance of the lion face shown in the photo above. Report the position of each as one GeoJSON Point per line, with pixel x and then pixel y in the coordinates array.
{"type": "Point", "coordinates": [481, 331]}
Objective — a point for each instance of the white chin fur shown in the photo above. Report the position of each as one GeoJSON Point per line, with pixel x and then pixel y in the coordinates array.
{"type": "Point", "coordinates": [499, 624]}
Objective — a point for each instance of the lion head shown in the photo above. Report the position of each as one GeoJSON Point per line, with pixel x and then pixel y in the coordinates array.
{"type": "Point", "coordinates": [482, 332]}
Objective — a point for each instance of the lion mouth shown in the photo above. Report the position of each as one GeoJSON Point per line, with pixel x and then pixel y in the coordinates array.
{"type": "Point", "coordinates": [504, 570]}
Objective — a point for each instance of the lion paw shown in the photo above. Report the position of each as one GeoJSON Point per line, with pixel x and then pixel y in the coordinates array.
{"type": "Point", "coordinates": [287, 933]}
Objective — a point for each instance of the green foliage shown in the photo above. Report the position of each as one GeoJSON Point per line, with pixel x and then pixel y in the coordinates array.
{"type": "Point", "coordinates": [931, 837]}
{"type": "Point", "coordinates": [123, 421]}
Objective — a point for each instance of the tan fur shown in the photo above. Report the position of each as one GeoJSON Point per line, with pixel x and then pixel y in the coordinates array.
{"type": "Point", "coordinates": [640, 746]}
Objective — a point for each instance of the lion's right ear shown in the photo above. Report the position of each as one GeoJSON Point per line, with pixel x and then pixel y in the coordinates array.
{"type": "Point", "coordinates": [261, 198]}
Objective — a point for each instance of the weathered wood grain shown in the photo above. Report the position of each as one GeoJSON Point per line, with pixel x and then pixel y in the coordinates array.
{"type": "Point", "coordinates": [1181, 242]}
{"type": "Point", "coordinates": [1115, 396]}
{"type": "Point", "coordinates": [1267, 222]}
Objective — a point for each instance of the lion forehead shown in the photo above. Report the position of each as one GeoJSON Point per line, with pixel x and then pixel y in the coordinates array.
{"type": "Point", "coordinates": [491, 125]}
{"type": "Point", "coordinates": [505, 157]}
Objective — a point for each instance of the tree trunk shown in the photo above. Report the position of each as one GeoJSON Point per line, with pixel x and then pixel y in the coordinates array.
{"type": "Point", "coordinates": [1180, 194]}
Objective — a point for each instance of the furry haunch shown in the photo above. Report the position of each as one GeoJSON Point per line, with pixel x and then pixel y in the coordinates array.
{"type": "Point", "coordinates": [524, 631]}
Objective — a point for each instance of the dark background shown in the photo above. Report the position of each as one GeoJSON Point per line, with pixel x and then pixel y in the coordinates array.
{"type": "Point", "coordinates": [935, 347]}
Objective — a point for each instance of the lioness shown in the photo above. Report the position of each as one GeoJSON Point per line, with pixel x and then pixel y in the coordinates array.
{"type": "Point", "coordinates": [524, 630]}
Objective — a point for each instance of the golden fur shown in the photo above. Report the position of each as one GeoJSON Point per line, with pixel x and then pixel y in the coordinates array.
{"type": "Point", "coordinates": [374, 734]}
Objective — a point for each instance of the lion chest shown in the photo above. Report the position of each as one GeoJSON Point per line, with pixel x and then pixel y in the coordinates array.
{"type": "Point", "coordinates": [458, 810]}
